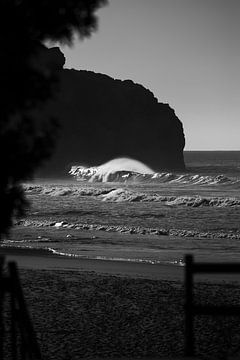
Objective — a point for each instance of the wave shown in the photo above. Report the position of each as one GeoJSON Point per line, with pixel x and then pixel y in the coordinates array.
{"type": "Point", "coordinates": [63, 190]}
{"type": "Point", "coordinates": [124, 229]}
{"type": "Point", "coordinates": [123, 195]}
{"type": "Point", "coordinates": [178, 262]}
{"type": "Point", "coordinates": [92, 174]}
{"type": "Point", "coordinates": [126, 195]}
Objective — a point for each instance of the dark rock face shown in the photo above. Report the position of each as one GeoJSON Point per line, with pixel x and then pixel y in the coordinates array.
{"type": "Point", "coordinates": [102, 118]}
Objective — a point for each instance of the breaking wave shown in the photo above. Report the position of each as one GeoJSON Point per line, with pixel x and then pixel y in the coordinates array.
{"type": "Point", "coordinates": [92, 174]}
{"type": "Point", "coordinates": [123, 195]}
{"type": "Point", "coordinates": [127, 195]}
{"type": "Point", "coordinates": [63, 190]}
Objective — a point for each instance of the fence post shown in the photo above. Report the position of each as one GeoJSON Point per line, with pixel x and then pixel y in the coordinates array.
{"type": "Point", "coordinates": [29, 338]}
{"type": "Point", "coordinates": [1, 306]}
{"type": "Point", "coordinates": [189, 335]}
{"type": "Point", "coordinates": [13, 324]}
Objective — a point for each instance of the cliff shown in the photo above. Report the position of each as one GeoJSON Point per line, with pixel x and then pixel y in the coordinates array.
{"type": "Point", "coordinates": [102, 118]}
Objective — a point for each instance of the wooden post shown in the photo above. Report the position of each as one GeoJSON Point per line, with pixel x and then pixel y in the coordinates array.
{"type": "Point", "coordinates": [2, 289]}
{"type": "Point", "coordinates": [13, 324]}
{"type": "Point", "coordinates": [29, 339]}
{"type": "Point", "coordinates": [189, 335]}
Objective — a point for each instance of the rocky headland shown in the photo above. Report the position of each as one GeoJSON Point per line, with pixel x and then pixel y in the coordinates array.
{"type": "Point", "coordinates": [102, 118]}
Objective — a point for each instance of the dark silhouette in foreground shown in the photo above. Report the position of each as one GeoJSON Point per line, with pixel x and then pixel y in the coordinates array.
{"type": "Point", "coordinates": [16, 327]}
{"type": "Point", "coordinates": [192, 308]}
{"type": "Point", "coordinates": [103, 118]}
{"type": "Point", "coordinates": [27, 82]}
{"type": "Point", "coordinates": [20, 331]}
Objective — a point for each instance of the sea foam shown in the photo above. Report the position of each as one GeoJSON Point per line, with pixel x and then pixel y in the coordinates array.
{"type": "Point", "coordinates": [98, 174]}
{"type": "Point", "coordinates": [127, 195]}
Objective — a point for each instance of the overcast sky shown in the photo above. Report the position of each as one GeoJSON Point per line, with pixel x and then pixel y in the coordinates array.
{"type": "Point", "coordinates": [185, 51]}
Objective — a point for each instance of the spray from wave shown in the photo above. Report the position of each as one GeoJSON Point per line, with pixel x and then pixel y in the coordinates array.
{"type": "Point", "coordinates": [116, 170]}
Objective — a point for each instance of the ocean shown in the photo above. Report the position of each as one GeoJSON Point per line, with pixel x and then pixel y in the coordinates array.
{"type": "Point", "coordinates": [154, 218]}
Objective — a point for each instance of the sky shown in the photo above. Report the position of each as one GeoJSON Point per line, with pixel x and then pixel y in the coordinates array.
{"type": "Point", "coordinates": [185, 51]}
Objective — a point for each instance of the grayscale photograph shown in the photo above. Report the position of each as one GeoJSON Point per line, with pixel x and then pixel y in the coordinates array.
{"type": "Point", "coordinates": [120, 179]}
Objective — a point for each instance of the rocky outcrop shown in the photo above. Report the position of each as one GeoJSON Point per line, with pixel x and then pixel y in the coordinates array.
{"type": "Point", "coordinates": [102, 118]}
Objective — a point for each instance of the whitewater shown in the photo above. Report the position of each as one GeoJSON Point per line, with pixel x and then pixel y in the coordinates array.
{"type": "Point", "coordinates": [121, 214]}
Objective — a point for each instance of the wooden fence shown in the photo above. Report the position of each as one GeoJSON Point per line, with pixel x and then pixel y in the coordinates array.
{"type": "Point", "coordinates": [20, 322]}
{"type": "Point", "coordinates": [191, 309]}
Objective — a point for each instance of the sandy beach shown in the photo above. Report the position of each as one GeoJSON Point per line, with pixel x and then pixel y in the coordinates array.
{"type": "Point", "coordinates": [94, 308]}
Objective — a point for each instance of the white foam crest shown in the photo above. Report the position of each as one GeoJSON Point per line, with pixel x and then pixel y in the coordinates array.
{"type": "Point", "coordinates": [113, 170]}
{"type": "Point", "coordinates": [51, 190]}
{"type": "Point", "coordinates": [118, 173]}
{"type": "Point", "coordinates": [123, 195]}
{"type": "Point", "coordinates": [178, 262]}
{"type": "Point", "coordinates": [126, 195]}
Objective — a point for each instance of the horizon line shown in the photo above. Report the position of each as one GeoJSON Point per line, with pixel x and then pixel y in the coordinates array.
{"type": "Point", "coordinates": [211, 150]}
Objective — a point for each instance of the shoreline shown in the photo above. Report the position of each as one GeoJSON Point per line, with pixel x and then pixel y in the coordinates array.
{"type": "Point", "coordinates": [36, 259]}
{"type": "Point", "coordinates": [43, 260]}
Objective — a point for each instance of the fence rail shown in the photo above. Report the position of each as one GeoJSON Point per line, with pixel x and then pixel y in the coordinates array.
{"type": "Point", "coordinates": [21, 322]}
{"type": "Point", "coordinates": [191, 309]}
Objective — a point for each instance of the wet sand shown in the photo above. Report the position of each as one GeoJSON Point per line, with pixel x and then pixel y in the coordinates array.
{"type": "Point", "coordinates": [43, 260]}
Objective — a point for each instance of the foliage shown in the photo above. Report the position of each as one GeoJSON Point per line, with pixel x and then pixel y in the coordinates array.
{"type": "Point", "coordinates": [27, 82]}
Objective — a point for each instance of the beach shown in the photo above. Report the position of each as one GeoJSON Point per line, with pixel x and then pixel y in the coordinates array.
{"type": "Point", "coordinates": [102, 264]}
{"type": "Point", "coordinates": [84, 308]}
